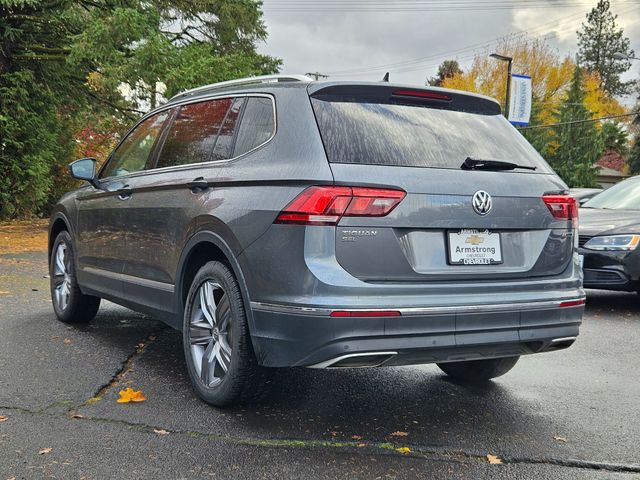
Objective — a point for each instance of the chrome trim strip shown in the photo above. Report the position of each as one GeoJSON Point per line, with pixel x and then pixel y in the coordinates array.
{"type": "Point", "coordinates": [143, 282]}
{"type": "Point", "coordinates": [482, 308]}
{"type": "Point", "coordinates": [328, 363]}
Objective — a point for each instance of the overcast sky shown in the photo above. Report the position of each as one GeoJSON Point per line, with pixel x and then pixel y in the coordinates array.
{"type": "Point", "coordinates": [404, 39]}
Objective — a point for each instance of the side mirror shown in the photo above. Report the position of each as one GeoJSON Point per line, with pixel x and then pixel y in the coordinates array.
{"type": "Point", "coordinates": [84, 169]}
{"type": "Point", "coordinates": [582, 201]}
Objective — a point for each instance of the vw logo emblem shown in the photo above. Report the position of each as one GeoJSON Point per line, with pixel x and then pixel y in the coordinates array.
{"type": "Point", "coordinates": [481, 202]}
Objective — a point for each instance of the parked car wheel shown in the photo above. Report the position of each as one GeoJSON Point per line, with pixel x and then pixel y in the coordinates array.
{"type": "Point", "coordinates": [476, 371]}
{"type": "Point", "coordinates": [217, 344]}
{"type": "Point", "coordinates": [69, 303]}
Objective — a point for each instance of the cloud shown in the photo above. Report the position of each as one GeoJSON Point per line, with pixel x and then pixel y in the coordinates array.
{"type": "Point", "coordinates": [364, 45]}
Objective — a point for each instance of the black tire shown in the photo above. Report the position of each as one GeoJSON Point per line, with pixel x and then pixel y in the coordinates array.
{"type": "Point", "coordinates": [478, 371]}
{"type": "Point", "coordinates": [244, 380]}
{"type": "Point", "coordinates": [78, 307]}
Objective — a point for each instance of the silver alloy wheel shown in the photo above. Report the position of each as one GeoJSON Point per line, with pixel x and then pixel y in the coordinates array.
{"type": "Point", "coordinates": [61, 279]}
{"type": "Point", "coordinates": [210, 333]}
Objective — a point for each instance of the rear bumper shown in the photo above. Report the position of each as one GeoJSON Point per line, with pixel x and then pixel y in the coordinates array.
{"type": "Point", "coordinates": [286, 335]}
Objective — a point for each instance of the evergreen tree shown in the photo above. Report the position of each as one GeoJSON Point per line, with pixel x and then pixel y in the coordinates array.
{"type": "Point", "coordinates": [447, 69]}
{"type": "Point", "coordinates": [62, 61]}
{"type": "Point", "coordinates": [539, 137]}
{"type": "Point", "coordinates": [614, 138]}
{"type": "Point", "coordinates": [603, 48]}
{"type": "Point", "coordinates": [634, 159]}
{"type": "Point", "coordinates": [578, 144]}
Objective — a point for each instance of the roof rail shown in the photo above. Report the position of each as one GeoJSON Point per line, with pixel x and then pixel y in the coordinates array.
{"type": "Point", "coordinates": [245, 81]}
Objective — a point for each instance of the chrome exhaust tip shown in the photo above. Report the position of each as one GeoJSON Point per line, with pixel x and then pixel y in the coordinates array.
{"type": "Point", "coordinates": [357, 360]}
{"type": "Point", "coordinates": [559, 344]}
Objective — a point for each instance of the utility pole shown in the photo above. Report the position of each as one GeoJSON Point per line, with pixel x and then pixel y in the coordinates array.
{"type": "Point", "coordinates": [316, 75]}
{"type": "Point", "coordinates": [509, 61]}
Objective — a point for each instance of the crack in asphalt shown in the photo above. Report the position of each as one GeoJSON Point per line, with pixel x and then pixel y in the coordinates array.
{"type": "Point", "coordinates": [124, 368]}
{"type": "Point", "coordinates": [360, 446]}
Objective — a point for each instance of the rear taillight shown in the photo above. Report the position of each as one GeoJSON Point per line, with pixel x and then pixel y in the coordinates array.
{"type": "Point", "coordinates": [326, 205]}
{"type": "Point", "coordinates": [573, 303]}
{"type": "Point", "coordinates": [562, 207]}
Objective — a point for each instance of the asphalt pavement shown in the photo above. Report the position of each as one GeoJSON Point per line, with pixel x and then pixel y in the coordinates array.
{"type": "Point", "coordinates": [568, 414]}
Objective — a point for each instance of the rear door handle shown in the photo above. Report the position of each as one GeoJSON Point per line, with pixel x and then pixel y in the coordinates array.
{"type": "Point", "coordinates": [124, 193]}
{"type": "Point", "coordinates": [198, 184]}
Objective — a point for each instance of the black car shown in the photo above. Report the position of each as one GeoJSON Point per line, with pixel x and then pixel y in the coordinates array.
{"type": "Point", "coordinates": [609, 235]}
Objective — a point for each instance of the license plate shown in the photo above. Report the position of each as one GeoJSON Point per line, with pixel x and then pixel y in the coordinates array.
{"type": "Point", "coordinates": [474, 247]}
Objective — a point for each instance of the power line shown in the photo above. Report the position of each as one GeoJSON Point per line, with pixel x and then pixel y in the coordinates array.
{"type": "Point", "coordinates": [419, 63]}
{"type": "Point", "coordinates": [610, 117]}
{"type": "Point", "coordinates": [419, 6]}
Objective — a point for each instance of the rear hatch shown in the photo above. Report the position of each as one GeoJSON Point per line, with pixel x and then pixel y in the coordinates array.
{"type": "Point", "coordinates": [416, 141]}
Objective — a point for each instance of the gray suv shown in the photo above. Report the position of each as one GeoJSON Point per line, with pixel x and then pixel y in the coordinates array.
{"type": "Point", "coordinates": [282, 222]}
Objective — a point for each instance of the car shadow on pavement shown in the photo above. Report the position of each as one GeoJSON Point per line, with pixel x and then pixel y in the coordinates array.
{"type": "Point", "coordinates": [603, 301]}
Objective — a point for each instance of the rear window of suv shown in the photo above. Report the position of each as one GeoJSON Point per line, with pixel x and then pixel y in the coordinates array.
{"type": "Point", "coordinates": [393, 134]}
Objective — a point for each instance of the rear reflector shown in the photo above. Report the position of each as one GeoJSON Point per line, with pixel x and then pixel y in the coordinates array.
{"type": "Point", "coordinates": [365, 313]}
{"type": "Point", "coordinates": [326, 205]}
{"type": "Point", "coordinates": [573, 303]}
{"type": "Point", "coordinates": [562, 207]}
{"type": "Point", "coordinates": [422, 94]}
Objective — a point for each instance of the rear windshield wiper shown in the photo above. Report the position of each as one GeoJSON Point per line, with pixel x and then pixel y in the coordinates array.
{"type": "Point", "coordinates": [477, 164]}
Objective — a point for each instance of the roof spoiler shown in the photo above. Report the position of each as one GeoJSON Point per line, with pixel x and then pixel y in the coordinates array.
{"type": "Point", "coordinates": [381, 92]}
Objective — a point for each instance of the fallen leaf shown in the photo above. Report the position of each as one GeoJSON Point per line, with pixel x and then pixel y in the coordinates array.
{"type": "Point", "coordinates": [159, 431]}
{"type": "Point", "coordinates": [44, 451]}
{"type": "Point", "coordinates": [77, 415]}
{"type": "Point", "coordinates": [3, 418]}
{"type": "Point", "coordinates": [130, 395]}
{"type": "Point", "coordinates": [67, 341]}
{"type": "Point", "coordinates": [560, 439]}
{"type": "Point", "coordinates": [360, 445]}
{"type": "Point", "coordinates": [356, 437]}
{"type": "Point", "coordinates": [403, 450]}
{"type": "Point", "coordinates": [398, 434]}
{"type": "Point", "coordinates": [494, 459]}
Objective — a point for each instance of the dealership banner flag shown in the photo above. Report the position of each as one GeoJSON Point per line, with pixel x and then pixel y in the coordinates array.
{"type": "Point", "coordinates": [520, 101]}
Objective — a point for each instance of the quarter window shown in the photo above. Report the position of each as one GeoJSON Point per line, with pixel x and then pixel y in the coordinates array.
{"type": "Point", "coordinates": [194, 132]}
{"type": "Point", "coordinates": [257, 125]}
{"type": "Point", "coordinates": [132, 154]}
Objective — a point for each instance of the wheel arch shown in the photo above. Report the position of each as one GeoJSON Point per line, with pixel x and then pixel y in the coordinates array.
{"type": "Point", "coordinates": [58, 223]}
{"type": "Point", "coordinates": [203, 247]}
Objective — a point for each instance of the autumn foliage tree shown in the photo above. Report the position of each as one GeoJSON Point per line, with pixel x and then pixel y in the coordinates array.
{"type": "Point", "coordinates": [550, 73]}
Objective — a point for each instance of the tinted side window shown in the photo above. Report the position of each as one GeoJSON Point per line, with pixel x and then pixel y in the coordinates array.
{"type": "Point", "coordinates": [193, 133]}
{"type": "Point", "coordinates": [222, 150]}
{"type": "Point", "coordinates": [132, 154]}
{"type": "Point", "coordinates": [257, 125]}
